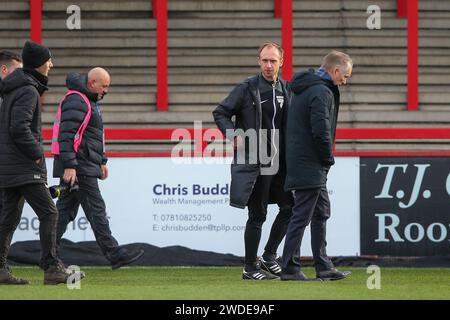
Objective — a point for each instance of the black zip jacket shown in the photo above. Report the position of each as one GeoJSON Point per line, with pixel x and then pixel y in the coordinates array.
{"type": "Point", "coordinates": [20, 130]}
{"type": "Point", "coordinates": [244, 102]}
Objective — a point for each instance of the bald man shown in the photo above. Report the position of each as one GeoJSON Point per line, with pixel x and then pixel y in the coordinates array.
{"type": "Point", "coordinates": [87, 165]}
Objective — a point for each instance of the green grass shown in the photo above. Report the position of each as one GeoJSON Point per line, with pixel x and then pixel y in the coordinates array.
{"type": "Point", "coordinates": [224, 283]}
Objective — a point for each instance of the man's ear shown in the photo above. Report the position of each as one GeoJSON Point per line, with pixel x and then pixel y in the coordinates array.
{"type": "Point", "coordinates": [281, 62]}
{"type": "Point", "coordinates": [90, 84]}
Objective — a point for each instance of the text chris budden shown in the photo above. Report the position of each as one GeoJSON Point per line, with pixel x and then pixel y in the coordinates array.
{"type": "Point", "coordinates": [194, 189]}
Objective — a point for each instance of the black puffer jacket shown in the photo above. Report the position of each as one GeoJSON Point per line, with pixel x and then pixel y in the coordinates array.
{"type": "Point", "coordinates": [20, 131]}
{"type": "Point", "coordinates": [90, 156]}
{"type": "Point", "coordinates": [311, 131]}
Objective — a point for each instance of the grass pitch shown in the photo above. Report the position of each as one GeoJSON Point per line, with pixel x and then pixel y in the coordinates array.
{"type": "Point", "coordinates": [224, 283]}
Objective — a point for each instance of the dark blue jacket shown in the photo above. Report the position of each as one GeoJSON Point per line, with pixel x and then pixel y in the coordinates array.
{"type": "Point", "coordinates": [311, 131]}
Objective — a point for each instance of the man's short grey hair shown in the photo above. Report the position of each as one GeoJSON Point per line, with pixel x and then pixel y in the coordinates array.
{"type": "Point", "coordinates": [336, 59]}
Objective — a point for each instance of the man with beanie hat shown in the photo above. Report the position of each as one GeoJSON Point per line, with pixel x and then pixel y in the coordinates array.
{"type": "Point", "coordinates": [34, 55]}
{"type": "Point", "coordinates": [23, 174]}
{"type": "Point", "coordinates": [37, 63]}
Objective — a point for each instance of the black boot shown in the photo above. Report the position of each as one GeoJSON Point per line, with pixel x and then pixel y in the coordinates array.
{"type": "Point", "coordinates": [57, 274]}
{"type": "Point", "coordinates": [127, 258]}
{"type": "Point", "coordinates": [6, 277]}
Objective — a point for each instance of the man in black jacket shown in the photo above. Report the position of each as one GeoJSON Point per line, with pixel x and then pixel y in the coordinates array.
{"type": "Point", "coordinates": [260, 107]}
{"type": "Point", "coordinates": [87, 165]}
{"type": "Point", "coordinates": [9, 61]}
{"type": "Point", "coordinates": [22, 165]}
{"type": "Point", "coordinates": [311, 132]}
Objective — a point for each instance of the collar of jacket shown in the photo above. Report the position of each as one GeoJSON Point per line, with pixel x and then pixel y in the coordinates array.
{"type": "Point", "coordinates": [40, 79]}
{"type": "Point", "coordinates": [252, 83]}
{"type": "Point", "coordinates": [18, 79]}
{"type": "Point", "coordinates": [78, 81]}
{"type": "Point", "coordinates": [323, 74]}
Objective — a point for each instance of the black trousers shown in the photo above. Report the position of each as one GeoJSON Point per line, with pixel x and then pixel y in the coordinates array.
{"type": "Point", "coordinates": [40, 200]}
{"type": "Point", "coordinates": [267, 187]}
{"type": "Point", "coordinates": [91, 200]}
{"type": "Point", "coordinates": [310, 206]}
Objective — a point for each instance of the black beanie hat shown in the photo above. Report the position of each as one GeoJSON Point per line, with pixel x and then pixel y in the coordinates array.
{"type": "Point", "coordinates": [34, 55]}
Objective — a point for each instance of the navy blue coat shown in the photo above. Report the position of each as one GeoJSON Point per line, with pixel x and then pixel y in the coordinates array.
{"type": "Point", "coordinates": [311, 131]}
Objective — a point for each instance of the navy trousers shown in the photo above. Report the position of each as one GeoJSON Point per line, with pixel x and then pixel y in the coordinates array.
{"type": "Point", "coordinates": [310, 206]}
